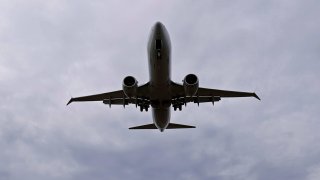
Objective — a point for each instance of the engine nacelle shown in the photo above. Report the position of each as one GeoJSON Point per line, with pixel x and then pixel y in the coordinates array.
{"type": "Point", "coordinates": [190, 84]}
{"type": "Point", "coordinates": [129, 86]}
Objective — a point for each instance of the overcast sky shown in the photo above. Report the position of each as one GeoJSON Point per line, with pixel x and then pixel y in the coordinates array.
{"type": "Point", "coordinates": [52, 50]}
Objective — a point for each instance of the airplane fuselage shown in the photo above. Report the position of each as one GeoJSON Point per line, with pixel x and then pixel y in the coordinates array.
{"type": "Point", "coordinates": [159, 56]}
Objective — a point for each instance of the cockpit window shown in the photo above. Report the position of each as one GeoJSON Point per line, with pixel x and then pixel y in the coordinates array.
{"type": "Point", "coordinates": [158, 44]}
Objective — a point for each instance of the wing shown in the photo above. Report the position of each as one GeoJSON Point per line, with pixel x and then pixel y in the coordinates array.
{"type": "Point", "coordinates": [206, 94]}
{"type": "Point", "coordinates": [113, 97]}
{"type": "Point", "coordinates": [224, 93]}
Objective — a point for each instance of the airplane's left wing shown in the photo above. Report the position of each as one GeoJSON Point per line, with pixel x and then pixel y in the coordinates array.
{"type": "Point", "coordinates": [142, 91]}
{"type": "Point", "coordinates": [205, 94]}
{"type": "Point", "coordinates": [224, 93]}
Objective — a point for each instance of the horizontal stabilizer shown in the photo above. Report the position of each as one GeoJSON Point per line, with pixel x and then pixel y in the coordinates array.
{"type": "Point", "coordinates": [256, 96]}
{"type": "Point", "coordinates": [147, 126]}
{"type": "Point", "coordinates": [170, 126]}
{"type": "Point", "coordinates": [178, 126]}
{"type": "Point", "coordinates": [70, 101]}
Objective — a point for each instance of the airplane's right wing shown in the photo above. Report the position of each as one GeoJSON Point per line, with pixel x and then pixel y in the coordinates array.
{"type": "Point", "coordinates": [115, 97]}
{"type": "Point", "coordinates": [98, 97]}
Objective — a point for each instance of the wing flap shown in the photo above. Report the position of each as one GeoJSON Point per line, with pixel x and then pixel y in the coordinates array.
{"type": "Point", "coordinates": [202, 99]}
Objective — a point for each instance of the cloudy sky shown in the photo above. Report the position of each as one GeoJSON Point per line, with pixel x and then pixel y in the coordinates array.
{"type": "Point", "coordinates": [52, 50]}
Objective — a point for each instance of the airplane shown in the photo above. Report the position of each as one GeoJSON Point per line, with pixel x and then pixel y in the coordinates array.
{"type": "Point", "coordinates": [161, 93]}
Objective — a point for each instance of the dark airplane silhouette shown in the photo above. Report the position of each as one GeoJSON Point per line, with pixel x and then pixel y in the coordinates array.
{"type": "Point", "coordinates": [160, 92]}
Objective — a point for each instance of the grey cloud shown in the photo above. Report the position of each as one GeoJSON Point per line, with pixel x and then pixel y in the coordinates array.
{"type": "Point", "coordinates": [52, 50]}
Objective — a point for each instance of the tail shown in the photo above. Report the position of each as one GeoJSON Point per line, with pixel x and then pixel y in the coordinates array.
{"type": "Point", "coordinates": [170, 126]}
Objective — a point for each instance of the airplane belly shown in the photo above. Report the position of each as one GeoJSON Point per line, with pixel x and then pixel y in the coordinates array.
{"type": "Point", "coordinates": [160, 71]}
{"type": "Point", "coordinates": [160, 94]}
{"type": "Point", "coordinates": [161, 117]}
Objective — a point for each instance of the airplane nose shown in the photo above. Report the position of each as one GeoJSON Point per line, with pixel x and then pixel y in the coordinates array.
{"type": "Point", "coordinates": [158, 27]}
{"type": "Point", "coordinates": [158, 24]}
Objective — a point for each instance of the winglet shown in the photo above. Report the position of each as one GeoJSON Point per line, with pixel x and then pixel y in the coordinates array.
{"type": "Point", "coordinates": [70, 101]}
{"type": "Point", "coordinates": [256, 96]}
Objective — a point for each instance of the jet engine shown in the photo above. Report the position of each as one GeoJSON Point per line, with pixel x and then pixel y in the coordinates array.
{"type": "Point", "coordinates": [190, 84]}
{"type": "Point", "coordinates": [129, 86]}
